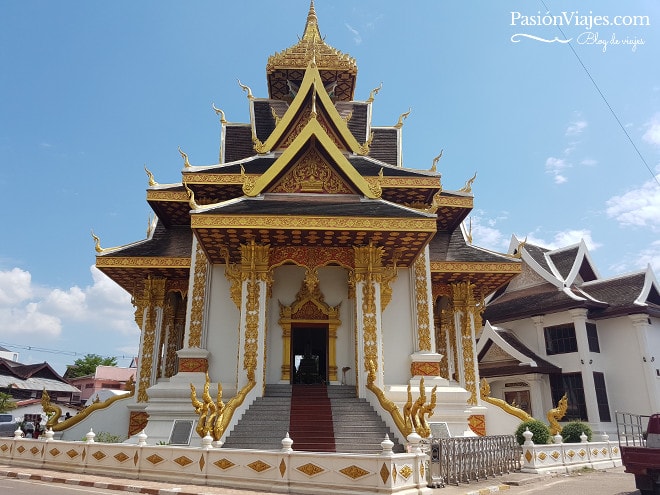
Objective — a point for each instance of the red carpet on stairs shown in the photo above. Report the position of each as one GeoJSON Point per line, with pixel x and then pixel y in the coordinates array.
{"type": "Point", "coordinates": [310, 424]}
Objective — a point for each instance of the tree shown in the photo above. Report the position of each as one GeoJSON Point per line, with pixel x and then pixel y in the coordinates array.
{"type": "Point", "coordinates": [6, 402]}
{"type": "Point", "coordinates": [87, 365]}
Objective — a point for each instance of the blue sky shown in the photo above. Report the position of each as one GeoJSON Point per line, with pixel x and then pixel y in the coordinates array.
{"type": "Point", "coordinates": [565, 138]}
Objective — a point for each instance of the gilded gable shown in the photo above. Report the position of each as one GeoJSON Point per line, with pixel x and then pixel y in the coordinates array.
{"type": "Point", "coordinates": [312, 174]}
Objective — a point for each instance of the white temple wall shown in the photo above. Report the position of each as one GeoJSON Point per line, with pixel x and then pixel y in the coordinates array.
{"type": "Point", "coordinates": [286, 283]}
{"type": "Point", "coordinates": [222, 330]}
{"type": "Point", "coordinates": [333, 282]}
{"type": "Point", "coordinates": [623, 366]}
{"type": "Point", "coordinates": [399, 331]}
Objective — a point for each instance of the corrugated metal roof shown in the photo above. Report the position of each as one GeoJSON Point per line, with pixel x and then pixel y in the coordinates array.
{"type": "Point", "coordinates": [7, 381]}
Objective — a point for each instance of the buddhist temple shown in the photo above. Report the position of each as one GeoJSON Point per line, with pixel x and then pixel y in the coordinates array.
{"type": "Point", "coordinates": [311, 257]}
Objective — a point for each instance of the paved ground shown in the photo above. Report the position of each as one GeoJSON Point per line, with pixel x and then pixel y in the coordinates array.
{"type": "Point", "coordinates": [492, 485]}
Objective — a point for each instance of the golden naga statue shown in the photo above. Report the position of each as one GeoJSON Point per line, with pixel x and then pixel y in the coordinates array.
{"type": "Point", "coordinates": [414, 416]}
{"type": "Point", "coordinates": [484, 391]}
{"type": "Point", "coordinates": [52, 411]}
{"type": "Point", "coordinates": [214, 416]}
{"type": "Point", "coordinates": [55, 412]}
{"type": "Point", "coordinates": [554, 415]}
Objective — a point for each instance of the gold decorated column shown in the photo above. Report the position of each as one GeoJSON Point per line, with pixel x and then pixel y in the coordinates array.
{"type": "Point", "coordinates": [255, 277]}
{"type": "Point", "coordinates": [422, 307]}
{"type": "Point", "coordinates": [191, 357]}
{"type": "Point", "coordinates": [152, 300]}
{"type": "Point", "coordinates": [367, 278]}
{"type": "Point", "coordinates": [466, 317]}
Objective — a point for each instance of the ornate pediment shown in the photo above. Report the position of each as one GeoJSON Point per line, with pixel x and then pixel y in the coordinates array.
{"type": "Point", "coordinates": [312, 174]}
{"type": "Point", "coordinates": [309, 303]}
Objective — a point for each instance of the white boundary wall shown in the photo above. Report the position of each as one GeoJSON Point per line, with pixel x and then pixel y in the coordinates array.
{"type": "Point", "coordinates": [284, 471]}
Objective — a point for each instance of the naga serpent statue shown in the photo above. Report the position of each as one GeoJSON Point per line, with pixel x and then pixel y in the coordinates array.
{"type": "Point", "coordinates": [414, 416]}
{"type": "Point", "coordinates": [554, 415]}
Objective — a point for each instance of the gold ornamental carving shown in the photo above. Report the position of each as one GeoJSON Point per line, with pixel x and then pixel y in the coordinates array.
{"type": "Point", "coordinates": [233, 275]}
{"type": "Point", "coordinates": [198, 298]}
{"type": "Point", "coordinates": [312, 174]}
{"type": "Point", "coordinates": [310, 469]}
{"type": "Point", "coordinates": [354, 472]}
{"type": "Point", "coordinates": [469, 311]}
{"type": "Point", "coordinates": [154, 294]}
{"type": "Point", "coordinates": [254, 272]}
{"type": "Point", "coordinates": [312, 257]}
{"type": "Point", "coordinates": [311, 48]}
{"type": "Point", "coordinates": [414, 416]}
{"type": "Point", "coordinates": [368, 271]}
{"type": "Point", "coordinates": [422, 304]}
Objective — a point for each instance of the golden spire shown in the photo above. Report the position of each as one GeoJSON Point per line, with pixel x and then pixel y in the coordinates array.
{"type": "Point", "coordinates": [312, 32]}
{"type": "Point", "coordinates": [284, 67]}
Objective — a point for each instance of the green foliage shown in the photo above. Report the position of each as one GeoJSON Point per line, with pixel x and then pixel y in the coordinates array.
{"type": "Point", "coordinates": [87, 365]}
{"type": "Point", "coordinates": [571, 432]}
{"type": "Point", "coordinates": [541, 432]}
{"type": "Point", "coordinates": [6, 402]}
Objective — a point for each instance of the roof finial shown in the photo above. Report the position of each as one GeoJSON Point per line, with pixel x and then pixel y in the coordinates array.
{"type": "Point", "coordinates": [311, 32]}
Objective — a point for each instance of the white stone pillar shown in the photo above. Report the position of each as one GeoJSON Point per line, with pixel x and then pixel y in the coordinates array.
{"type": "Point", "coordinates": [580, 322]}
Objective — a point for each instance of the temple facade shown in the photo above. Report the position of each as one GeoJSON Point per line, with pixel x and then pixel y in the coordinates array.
{"type": "Point", "coordinates": [309, 254]}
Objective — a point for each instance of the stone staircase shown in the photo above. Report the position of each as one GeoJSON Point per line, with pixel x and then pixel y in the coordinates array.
{"type": "Point", "coordinates": [356, 427]}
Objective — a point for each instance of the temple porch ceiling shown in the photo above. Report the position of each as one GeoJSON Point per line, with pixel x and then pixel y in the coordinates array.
{"type": "Point", "coordinates": [394, 235]}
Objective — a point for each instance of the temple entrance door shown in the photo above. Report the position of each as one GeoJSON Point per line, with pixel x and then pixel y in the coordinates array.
{"type": "Point", "coordinates": [309, 353]}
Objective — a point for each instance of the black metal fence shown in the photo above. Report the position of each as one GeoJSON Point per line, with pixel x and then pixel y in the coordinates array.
{"type": "Point", "coordinates": [465, 459]}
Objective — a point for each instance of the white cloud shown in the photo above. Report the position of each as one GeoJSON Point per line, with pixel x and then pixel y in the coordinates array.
{"type": "Point", "coordinates": [638, 207]}
{"type": "Point", "coordinates": [28, 321]}
{"type": "Point", "coordinates": [589, 162]}
{"type": "Point", "coordinates": [14, 286]}
{"type": "Point", "coordinates": [650, 255]}
{"type": "Point", "coordinates": [485, 233]}
{"type": "Point", "coordinates": [46, 313]}
{"type": "Point", "coordinates": [563, 239]}
{"type": "Point", "coordinates": [555, 167]}
{"type": "Point", "coordinates": [576, 128]}
{"type": "Point", "coordinates": [356, 34]}
{"type": "Point", "coordinates": [652, 134]}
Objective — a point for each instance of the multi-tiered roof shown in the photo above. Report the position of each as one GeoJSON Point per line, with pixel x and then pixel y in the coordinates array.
{"type": "Point", "coordinates": [309, 170]}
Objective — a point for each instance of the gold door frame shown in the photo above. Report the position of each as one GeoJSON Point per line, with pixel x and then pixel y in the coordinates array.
{"type": "Point", "coordinates": [309, 308]}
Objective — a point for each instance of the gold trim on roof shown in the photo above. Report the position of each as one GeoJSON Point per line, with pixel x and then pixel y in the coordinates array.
{"type": "Point", "coordinates": [312, 82]}
{"type": "Point", "coordinates": [141, 262]}
{"type": "Point", "coordinates": [311, 47]}
{"type": "Point", "coordinates": [178, 196]}
{"type": "Point", "coordinates": [222, 220]}
{"type": "Point", "coordinates": [475, 267]}
{"type": "Point", "coordinates": [312, 129]}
